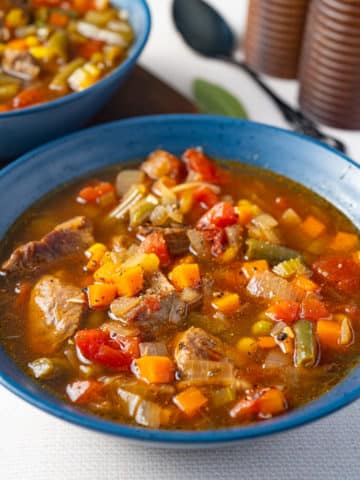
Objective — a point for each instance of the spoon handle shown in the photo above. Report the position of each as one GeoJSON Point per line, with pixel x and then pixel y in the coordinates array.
{"type": "Point", "coordinates": [300, 122]}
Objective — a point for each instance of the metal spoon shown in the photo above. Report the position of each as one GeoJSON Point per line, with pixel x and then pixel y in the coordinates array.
{"type": "Point", "coordinates": [206, 32]}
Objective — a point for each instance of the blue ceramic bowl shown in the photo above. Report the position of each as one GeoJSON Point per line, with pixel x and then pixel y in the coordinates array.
{"type": "Point", "coordinates": [324, 170]}
{"type": "Point", "coordinates": [22, 130]}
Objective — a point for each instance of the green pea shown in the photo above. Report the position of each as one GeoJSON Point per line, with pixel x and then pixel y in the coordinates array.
{"type": "Point", "coordinates": [262, 327]}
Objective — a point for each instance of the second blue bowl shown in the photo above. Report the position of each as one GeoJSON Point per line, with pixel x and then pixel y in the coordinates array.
{"type": "Point", "coordinates": [22, 130]}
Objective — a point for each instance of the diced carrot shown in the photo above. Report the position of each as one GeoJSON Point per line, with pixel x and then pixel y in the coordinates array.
{"type": "Point", "coordinates": [250, 268]}
{"type": "Point", "coordinates": [18, 44]}
{"type": "Point", "coordinates": [312, 227]}
{"type": "Point", "coordinates": [271, 402]}
{"type": "Point", "coordinates": [129, 282]}
{"type": "Point", "coordinates": [266, 342]}
{"type": "Point", "coordinates": [100, 295]}
{"type": "Point", "coordinates": [185, 275]}
{"type": "Point", "coordinates": [244, 408]}
{"type": "Point", "coordinates": [190, 401]}
{"type": "Point", "coordinates": [245, 214]}
{"type": "Point", "coordinates": [58, 19]}
{"type": "Point", "coordinates": [344, 242]}
{"type": "Point", "coordinates": [83, 391]}
{"type": "Point", "coordinates": [87, 195]}
{"type": "Point", "coordinates": [328, 332]}
{"type": "Point", "coordinates": [284, 310]}
{"type": "Point", "coordinates": [155, 369]}
{"type": "Point", "coordinates": [95, 254]}
{"type": "Point", "coordinates": [262, 402]}
{"type": "Point", "coordinates": [228, 303]}
{"type": "Point", "coordinates": [106, 272]}
{"type": "Point", "coordinates": [306, 284]}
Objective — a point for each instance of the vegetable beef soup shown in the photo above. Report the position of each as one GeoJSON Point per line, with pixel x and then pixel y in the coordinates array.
{"type": "Point", "coordinates": [182, 294]}
{"type": "Point", "coordinates": [49, 48]}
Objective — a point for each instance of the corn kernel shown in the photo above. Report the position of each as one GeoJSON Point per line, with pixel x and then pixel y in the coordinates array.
{"type": "Point", "coordinates": [247, 345]}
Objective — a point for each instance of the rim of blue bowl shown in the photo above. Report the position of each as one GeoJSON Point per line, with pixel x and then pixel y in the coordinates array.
{"type": "Point", "coordinates": [134, 54]}
{"type": "Point", "coordinates": [223, 436]}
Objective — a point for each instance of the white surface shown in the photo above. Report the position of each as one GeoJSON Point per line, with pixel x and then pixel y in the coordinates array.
{"type": "Point", "coordinates": [36, 446]}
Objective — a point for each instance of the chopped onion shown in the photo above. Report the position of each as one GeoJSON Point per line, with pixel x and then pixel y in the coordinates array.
{"type": "Point", "coordinates": [204, 372]}
{"type": "Point", "coordinates": [164, 192]}
{"type": "Point", "coordinates": [191, 185]}
{"type": "Point", "coordinates": [131, 401]}
{"type": "Point", "coordinates": [276, 359]}
{"type": "Point", "coordinates": [126, 179]}
{"type": "Point", "coordinates": [116, 328]}
{"type": "Point", "coordinates": [190, 296]}
{"type": "Point", "coordinates": [262, 227]}
{"type": "Point", "coordinates": [264, 221]}
{"type": "Point", "coordinates": [233, 235]}
{"type": "Point", "coordinates": [89, 30]}
{"type": "Point", "coordinates": [268, 285]}
{"type": "Point", "coordinates": [346, 331]}
{"type": "Point", "coordinates": [153, 348]}
{"type": "Point", "coordinates": [148, 414]}
{"type": "Point", "coordinates": [159, 216]}
{"type": "Point", "coordinates": [122, 306]}
{"type": "Point", "coordinates": [290, 218]}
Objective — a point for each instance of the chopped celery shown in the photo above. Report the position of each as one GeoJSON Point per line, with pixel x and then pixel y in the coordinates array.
{"type": "Point", "coordinates": [291, 267]}
{"type": "Point", "coordinates": [262, 250]}
{"type": "Point", "coordinates": [305, 344]}
{"type": "Point", "coordinates": [222, 396]}
{"type": "Point", "coordinates": [141, 211]}
{"type": "Point", "coordinates": [58, 44]}
{"type": "Point", "coordinates": [131, 198]}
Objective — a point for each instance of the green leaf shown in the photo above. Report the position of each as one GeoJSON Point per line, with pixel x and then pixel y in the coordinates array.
{"type": "Point", "coordinates": [212, 99]}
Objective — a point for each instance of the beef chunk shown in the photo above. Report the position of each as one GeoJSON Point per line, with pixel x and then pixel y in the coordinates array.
{"type": "Point", "coordinates": [54, 314]}
{"type": "Point", "coordinates": [159, 307]}
{"type": "Point", "coordinates": [20, 63]}
{"type": "Point", "coordinates": [176, 238]}
{"type": "Point", "coordinates": [66, 240]}
{"type": "Point", "coordinates": [196, 344]}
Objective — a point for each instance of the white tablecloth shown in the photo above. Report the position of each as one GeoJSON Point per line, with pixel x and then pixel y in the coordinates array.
{"type": "Point", "coordinates": [36, 446]}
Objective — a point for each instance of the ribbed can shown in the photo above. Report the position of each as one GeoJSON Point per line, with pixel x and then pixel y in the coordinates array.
{"type": "Point", "coordinates": [274, 35]}
{"type": "Point", "coordinates": [330, 64]}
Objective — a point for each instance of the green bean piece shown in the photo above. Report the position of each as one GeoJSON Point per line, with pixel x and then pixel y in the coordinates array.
{"type": "Point", "coordinates": [8, 91]}
{"type": "Point", "coordinates": [59, 82]}
{"type": "Point", "coordinates": [47, 368]}
{"type": "Point", "coordinates": [58, 44]}
{"type": "Point", "coordinates": [305, 344]}
{"type": "Point", "coordinates": [141, 212]}
{"type": "Point", "coordinates": [273, 253]}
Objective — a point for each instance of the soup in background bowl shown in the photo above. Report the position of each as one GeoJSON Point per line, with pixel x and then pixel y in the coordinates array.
{"type": "Point", "coordinates": [182, 293]}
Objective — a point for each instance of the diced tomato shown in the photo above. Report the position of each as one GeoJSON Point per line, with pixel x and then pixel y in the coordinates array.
{"type": "Point", "coordinates": [83, 391]}
{"type": "Point", "coordinates": [129, 345]}
{"type": "Point", "coordinates": [198, 162]}
{"type": "Point", "coordinates": [216, 238]}
{"type": "Point", "coordinates": [93, 193]}
{"type": "Point", "coordinates": [220, 215]}
{"type": "Point", "coordinates": [205, 196]}
{"type": "Point", "coordinates": [262, 402]}
{"type": "Point", "coordinates": [88, 48]}
{"type": "Point", "coordinates": [312, 308]}
{"type": "Point", "coordinates": [28, 97]}
{"type": "Point", "coordinates": [340, 272]}
{"type": "Point", "coordinates": [284, 310]}
{"type": "Point", "coordinates": [98, 346]}
{"type": "Point", "coordinates": [155, 243]}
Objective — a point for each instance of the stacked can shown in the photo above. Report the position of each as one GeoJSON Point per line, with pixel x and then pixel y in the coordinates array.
{"type": "Point", "coordinates": [330, 64]}
{"type": "Point", "coordinates": [274, 35]}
